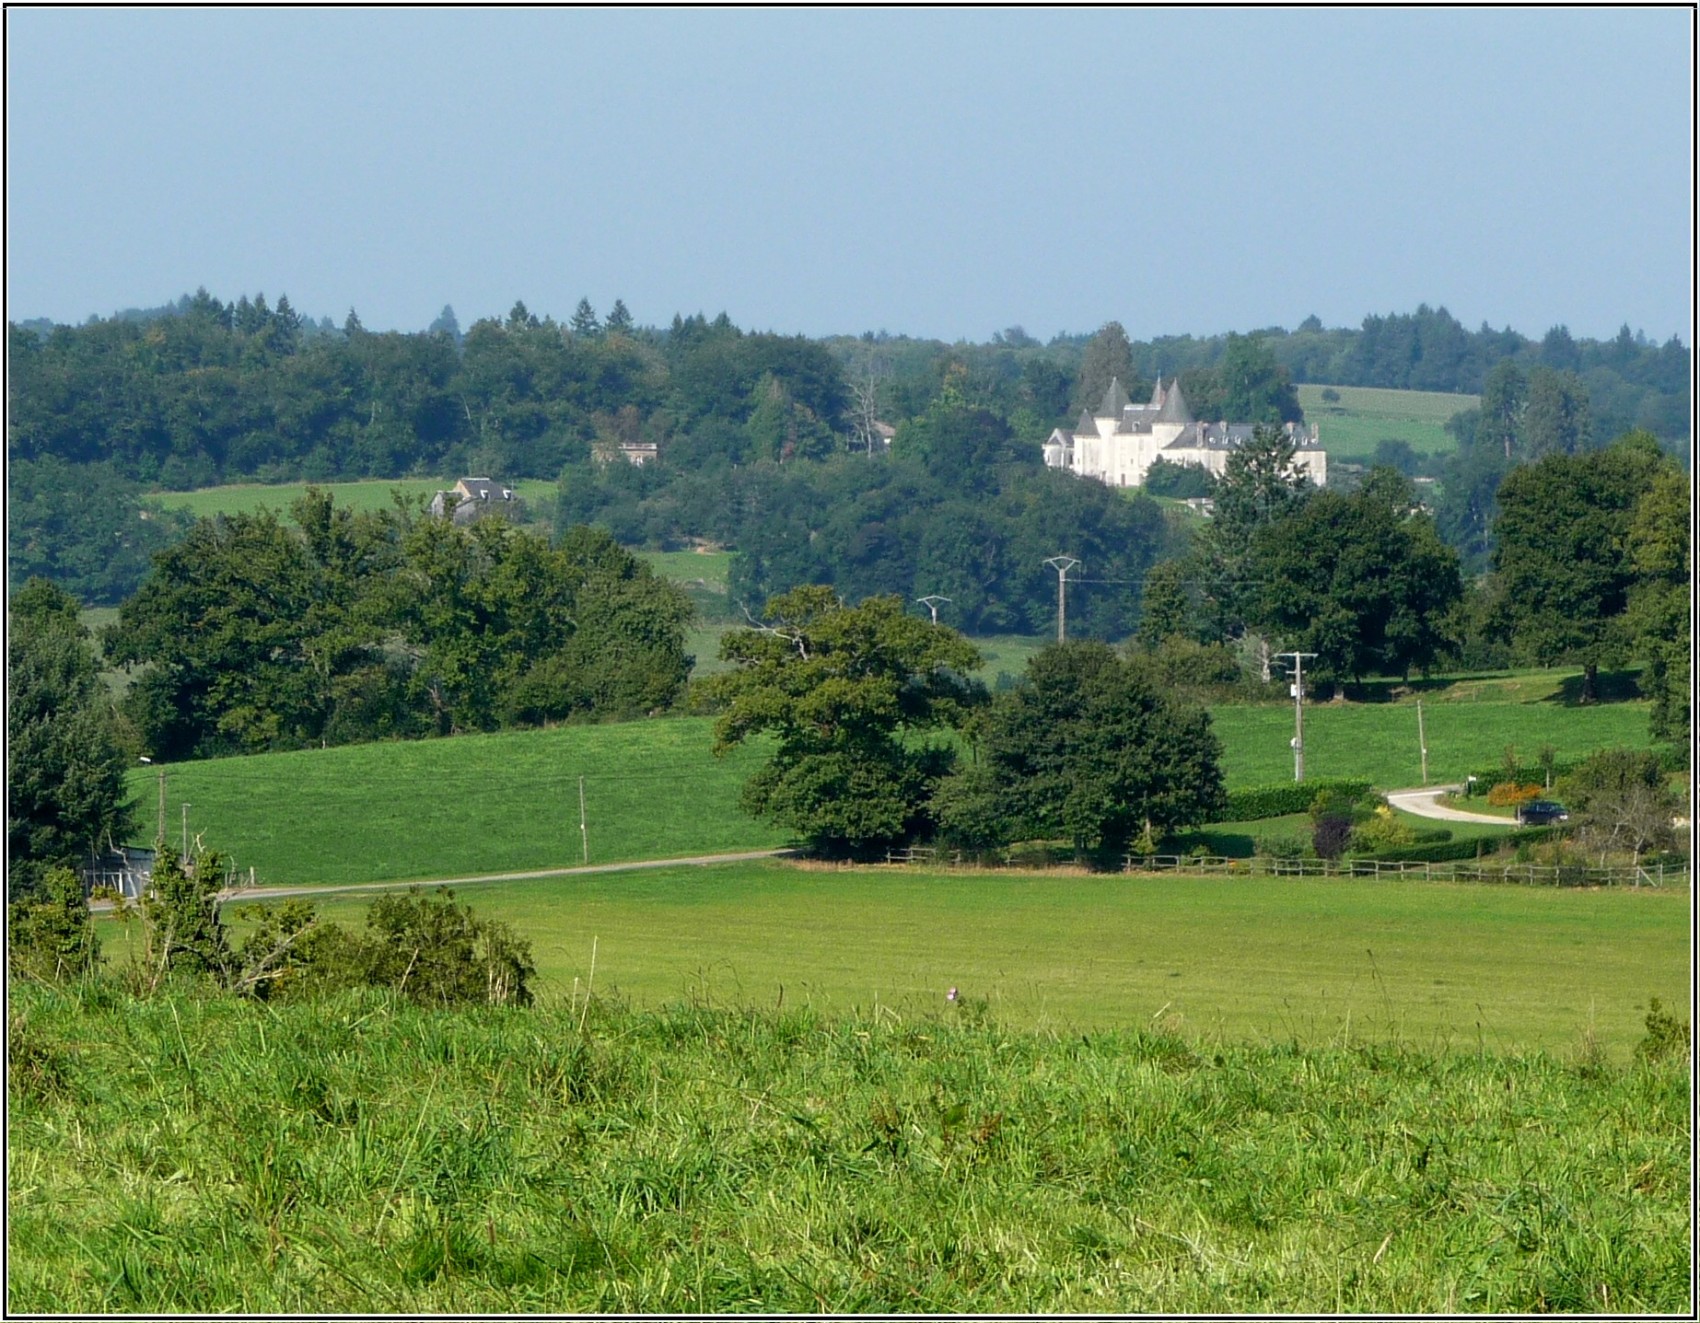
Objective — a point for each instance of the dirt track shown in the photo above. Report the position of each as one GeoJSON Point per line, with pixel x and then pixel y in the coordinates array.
{"type": "Point", "coordinates": [278, 893]}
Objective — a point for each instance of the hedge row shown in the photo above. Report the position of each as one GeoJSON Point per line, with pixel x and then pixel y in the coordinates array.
{"type": "Point", "coordinates": [1672, 758]}
{"type": "Point", "coordinates": [1257, 802]}
{"type": "Point", "coordinates": [1443, 852]}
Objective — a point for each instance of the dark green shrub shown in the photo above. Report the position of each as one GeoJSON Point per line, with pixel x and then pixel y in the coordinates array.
{"type": "Point", "coordinates": [1666, 1035]}
{"type": "Point", "coordinates": [435, 952]}
{"type": "Point", "coordinates": [52, 937]}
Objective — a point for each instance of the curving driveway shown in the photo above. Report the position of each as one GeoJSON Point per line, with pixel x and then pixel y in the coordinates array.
{"type": "Point", "coordinates": [1425, 803]}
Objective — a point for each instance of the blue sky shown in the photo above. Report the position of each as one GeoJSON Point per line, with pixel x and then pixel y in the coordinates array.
{"type": "Point", "coordinates": [939, 172]}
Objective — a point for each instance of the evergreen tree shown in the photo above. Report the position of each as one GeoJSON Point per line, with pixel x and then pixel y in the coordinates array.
{"type": "Point", "coordinates": [1108, 357]}
{"type": "Point", "coordinates": [584, 322]}
{"type": "Point", "coordinates": [65, 760]}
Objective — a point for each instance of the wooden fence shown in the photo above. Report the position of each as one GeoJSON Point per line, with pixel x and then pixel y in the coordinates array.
{"type": "Point", "coordinates": [1532, 875]}
{"type": "Point", "coordinates": [1476, 870]}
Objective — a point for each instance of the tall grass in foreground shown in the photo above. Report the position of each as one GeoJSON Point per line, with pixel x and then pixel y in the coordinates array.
{"type": "Point", "coordinates": [188, 1154]}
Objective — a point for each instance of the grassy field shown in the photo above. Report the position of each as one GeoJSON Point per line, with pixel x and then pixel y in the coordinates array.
{"type": "Point", "coordinates": [1312, 961]}
{"type": "Point", "coordinates": [472, 804]}
{"type": "Point", "coordinates": [508, 802]}
{"type": "Point", "coordinates": [1379, 740]}
{"type": "Point", "coordinates": [1350, 429]}
{"type": "Point", "coordinates": [203, 1155]}
{"type": "Point", "coordinates": [705, 569]}
{"type": "Point", "coordinates": [244, 498]}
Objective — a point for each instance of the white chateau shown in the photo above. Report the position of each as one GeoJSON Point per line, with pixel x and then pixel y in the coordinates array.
{"type": "Point", "coordinates": [1118, 443]}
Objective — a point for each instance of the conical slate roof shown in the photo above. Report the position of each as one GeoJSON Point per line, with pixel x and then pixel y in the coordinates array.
{"type": "Point", "coordinates": [1115, 400]}
{"type": "Point", "coordinates": [1086, 424]}
{"type": "Point", "coordinates": [1174, 408]}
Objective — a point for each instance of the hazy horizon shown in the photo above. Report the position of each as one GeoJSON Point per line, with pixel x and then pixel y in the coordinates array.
{"type": "Point", "coordinates": [941, 174]}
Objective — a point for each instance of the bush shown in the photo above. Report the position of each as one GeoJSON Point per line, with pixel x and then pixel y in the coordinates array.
{"type": "Point", "coordinates": [1285, 847]}
{"type": "Point", "coordinates": [436, 953]}
{"type": "Point", "coordinates": [1330, 834]}
{"type": "Point", "coordinates": [53, 937]}
{"type": "Point", "coordinates": [1666, 1036]}
{"type": "Point", "coordinates": [1508, 794]}
{"type": "Point", "coordinates": [1382, 831]}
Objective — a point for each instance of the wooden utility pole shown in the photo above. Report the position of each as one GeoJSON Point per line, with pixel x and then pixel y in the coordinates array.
{"type": "Point", "coordinates": [583, 827]}
{"type": "Point", "coordinates": [1298, 711]}
{"type": "Point", "coordinates": [1062, 565]}
{"type": "Point", "coordinates": [159, 839]}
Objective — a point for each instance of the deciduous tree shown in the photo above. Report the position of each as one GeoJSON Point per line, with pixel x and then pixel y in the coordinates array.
{"type": "Point", "coordinates": [1087, 748]}
{"type": "Point", "coordinates": [846, 692]}
{"type": "Point", "coordinates": [1563, 553]}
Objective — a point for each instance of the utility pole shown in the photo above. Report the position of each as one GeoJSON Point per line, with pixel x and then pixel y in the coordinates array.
{"type": "Point", "coordinates": [1062, 565]}
{"type": "Point", "coordinates": [583, 828]}
{"type": "Point", "coordinates": [931, 602]}
{"type": "Point", "coordinates": [159, 838]}
{"type": "Point", "coordinates": [1298, 711]}
{"type": "Point", "coordinates": [1422, 740]}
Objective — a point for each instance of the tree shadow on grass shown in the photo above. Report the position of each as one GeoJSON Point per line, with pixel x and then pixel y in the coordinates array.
{"type": "Point", "coordinates": [1609, 687]}
{"type": "Point", "coordinates": [1225, 844]}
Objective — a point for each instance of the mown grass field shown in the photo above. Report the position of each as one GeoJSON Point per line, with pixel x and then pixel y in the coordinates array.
{"type": "Point", "coordinates": [509, 801]}
{"type": "Point", "coordinates": [1364, 416]}
{"type": "Point", "coordinates": [1379, 740]}
{"type": "Point", "coordinates": [201, 1154]}
{"type": "Point", "coordinates": [1311, 961]}
{"type": "Point", "coordinates": [471, 804]}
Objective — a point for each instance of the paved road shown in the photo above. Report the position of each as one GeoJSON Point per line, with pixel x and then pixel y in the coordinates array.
{"type": "Point", "coordinates": [1424, 803]}
{"type": "Point", "coordinates": [277, 893]}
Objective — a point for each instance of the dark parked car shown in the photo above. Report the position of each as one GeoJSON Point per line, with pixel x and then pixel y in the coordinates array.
{"type": "Point", "coordinates": [1539, 812]}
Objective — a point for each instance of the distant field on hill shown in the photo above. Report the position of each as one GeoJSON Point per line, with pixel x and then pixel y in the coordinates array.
{"type": "Point", "coordinates": [470, 804]}
{"type": "Point", "coordinates": [1240, 959]}
{"type": "Point", "coordinates": [244, 498]}
{"type": "Point", "coordinates": [1364, 416]}
{"type": "Point", "coordinates": [506, 802]}
{"type": "Point", "coordinates": [1379, 740]}
{"type": "Point", "coordinates": [708, 569]}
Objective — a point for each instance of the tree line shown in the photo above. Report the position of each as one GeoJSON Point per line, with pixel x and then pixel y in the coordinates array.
{"type": "Point", "coordinates": [201, 392]}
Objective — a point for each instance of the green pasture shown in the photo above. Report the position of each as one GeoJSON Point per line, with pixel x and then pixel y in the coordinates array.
{"type": "Point", "coordinates": [1312, 961]}
{"type": "Point", "coordinates": [509, 801]}
{"type": "Point", "coordinates": [1379, 741]}
{"type": "Point", "coordinates": [1364, 416]}
{"type": "Point", "coordinates": [376, 494]}
{"type": "Point", "coordinates": [704, 569]}
{"type": "Point", "coordinates": [471, 804]}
